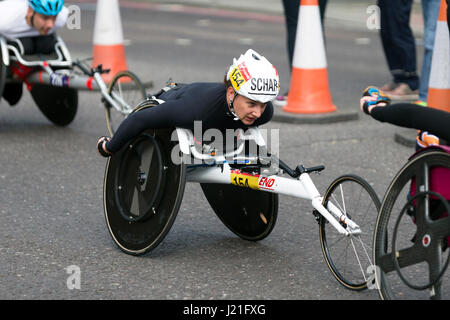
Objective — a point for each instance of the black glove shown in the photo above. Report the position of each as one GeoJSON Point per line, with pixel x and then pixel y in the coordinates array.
{"type": "Point", "coordinates": [100, 149]}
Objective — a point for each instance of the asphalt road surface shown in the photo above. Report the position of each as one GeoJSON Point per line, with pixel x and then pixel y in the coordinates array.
{"type": "Point", "coordinates": [51, 212]}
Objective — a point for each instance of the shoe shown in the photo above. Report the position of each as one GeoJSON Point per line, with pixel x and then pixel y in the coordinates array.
{"type": "Point", "coordinates": [421, 103]}
{"type": "Point", "coordinates": [403, 92]}
{"type": "Point", "coordinates": [282, 97]}
{"type": "Point", "coordinates": [281, 100]}
{"type": "Point", "coordinates": [388, 87]}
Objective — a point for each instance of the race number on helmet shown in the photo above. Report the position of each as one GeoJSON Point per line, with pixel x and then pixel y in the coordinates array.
{"type": "Point", "coordinates": [254, 77]}
{"type": "Point", "coordinates": [46, 7]}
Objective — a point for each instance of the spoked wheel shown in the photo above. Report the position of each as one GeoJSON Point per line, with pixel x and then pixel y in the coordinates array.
{"type": "Point", "coordinates": [127, 90]}
{"type": "Point", "coordinates": [143, 189]}
{"type": "Point", "coordinates": [412, 231]}
{"type": "Point", "coordinates": [349, 257]}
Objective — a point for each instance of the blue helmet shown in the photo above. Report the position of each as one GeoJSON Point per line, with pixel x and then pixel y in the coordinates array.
{"type": "Point", "coordinates": [46, 7]}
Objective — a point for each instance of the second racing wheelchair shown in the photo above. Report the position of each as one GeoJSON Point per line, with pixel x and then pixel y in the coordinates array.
{"type": "Point", "coordinates": [54, 80]}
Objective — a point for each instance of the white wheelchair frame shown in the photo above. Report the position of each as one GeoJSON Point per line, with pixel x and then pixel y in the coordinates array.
{"type": "Point", "coordinates": [63, 56]}
{"type": "Point", "coordinates": [221, 172]}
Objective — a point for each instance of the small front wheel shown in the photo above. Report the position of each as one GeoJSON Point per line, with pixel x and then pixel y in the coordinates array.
{"type": "Point", "coordinates": [127, 91]}
{"type": "Point", "coordinates": [349, 257]}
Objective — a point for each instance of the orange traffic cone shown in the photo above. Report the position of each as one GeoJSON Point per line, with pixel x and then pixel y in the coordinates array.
{"type": "Point", "coordinates": [309, 91]}
{"type": "Point", "coordinates": [439, 85]}
{"type": "Point", "coordinates": [108, 38]}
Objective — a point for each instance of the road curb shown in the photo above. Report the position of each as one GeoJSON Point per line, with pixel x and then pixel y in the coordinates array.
{"type": "Point", "coordinates": [406, 137]}
{"type": "Point", "coordinates": [322, 118]}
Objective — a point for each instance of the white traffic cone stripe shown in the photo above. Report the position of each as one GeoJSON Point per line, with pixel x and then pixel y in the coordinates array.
{"type": "Point", "coordinates": [108, 27]}
{"type": "Point", "coordinates": [309, 91]}
{"type": "Point", "coordinates": [440, 67]}
{"type": "Point", "coordinates": [309, 44]}
{"type": "Point", "coordinates": [108, 49]}
{"type": "Point", "coordinates": [439, 85]}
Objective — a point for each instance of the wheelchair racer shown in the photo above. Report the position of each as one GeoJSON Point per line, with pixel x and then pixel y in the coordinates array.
{"type": "Point", "coordinates": [433, 130]}
{"type": "Point", "coordinates": [433, 125]}
{"type": "Point", "coordinates": [242, 101]}
{"type": "Point", "coordinates": [33, 22]}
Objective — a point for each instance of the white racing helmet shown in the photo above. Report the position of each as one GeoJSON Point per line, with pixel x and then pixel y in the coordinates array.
{"type": "Point", "coordinates": [254, 77]}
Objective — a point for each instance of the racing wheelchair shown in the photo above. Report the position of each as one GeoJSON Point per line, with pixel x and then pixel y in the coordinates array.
{"type": "Point", "coordinates": [144, 184]}
{"type": "Point", "coordinates": [412, 231]}
{"type": "Point", "coordinates": [54, 80]}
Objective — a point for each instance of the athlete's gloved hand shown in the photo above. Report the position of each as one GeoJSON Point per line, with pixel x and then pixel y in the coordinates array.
{"type": "Point", "coordinates": [101, 147]}
{"type": "Point", "coordinates": [372, 96]}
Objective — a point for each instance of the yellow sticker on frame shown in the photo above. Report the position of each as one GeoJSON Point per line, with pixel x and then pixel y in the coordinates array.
{"type": "Point", "coordinates": [244, 180]}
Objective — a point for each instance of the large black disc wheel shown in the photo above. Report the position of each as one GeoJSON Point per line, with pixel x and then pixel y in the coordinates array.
{"type": "Point", "coordinates": [58, 104]}
{"type": "Point", "coordinates": [250, 214]}
{"type": "Point", "coordinates": [143, 190]}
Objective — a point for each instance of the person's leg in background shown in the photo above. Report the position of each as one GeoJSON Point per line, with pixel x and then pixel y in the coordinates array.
{"type": "Point", "coordinates": [430, 9]}
{"type": "Point", "coordinates": [386, 41]}
{"type": "Point", "coordinates": [322, 7]}
{"type": "Point", "coordinates": [405, 51]}
{"type": "Point", "coordinates": [291, 8]}
{"type": "Point", "coordinates": [448, 15]}
{"type": "Point", "coordinates": [399, 48]}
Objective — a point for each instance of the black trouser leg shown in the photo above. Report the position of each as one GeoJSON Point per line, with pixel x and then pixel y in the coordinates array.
{"type": "Point", "coordinates": [291, 9]}
{"type": "Point", "coordinates": [398, 41]}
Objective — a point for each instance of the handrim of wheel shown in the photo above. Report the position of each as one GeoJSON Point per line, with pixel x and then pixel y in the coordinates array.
{"type": "Point", "coordinates": [394, 248]}
{"type": "Point", "coordinates": [431, 159]}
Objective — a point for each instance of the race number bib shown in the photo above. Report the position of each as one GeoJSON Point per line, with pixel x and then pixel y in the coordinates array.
{"type": "Point", "coordinates": [239, 76]}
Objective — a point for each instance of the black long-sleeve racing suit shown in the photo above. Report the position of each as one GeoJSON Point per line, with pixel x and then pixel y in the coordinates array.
{"type": "Point", "coordinates": [205, 102]}
{"type": "Point", "coordinates": [408, 115]}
